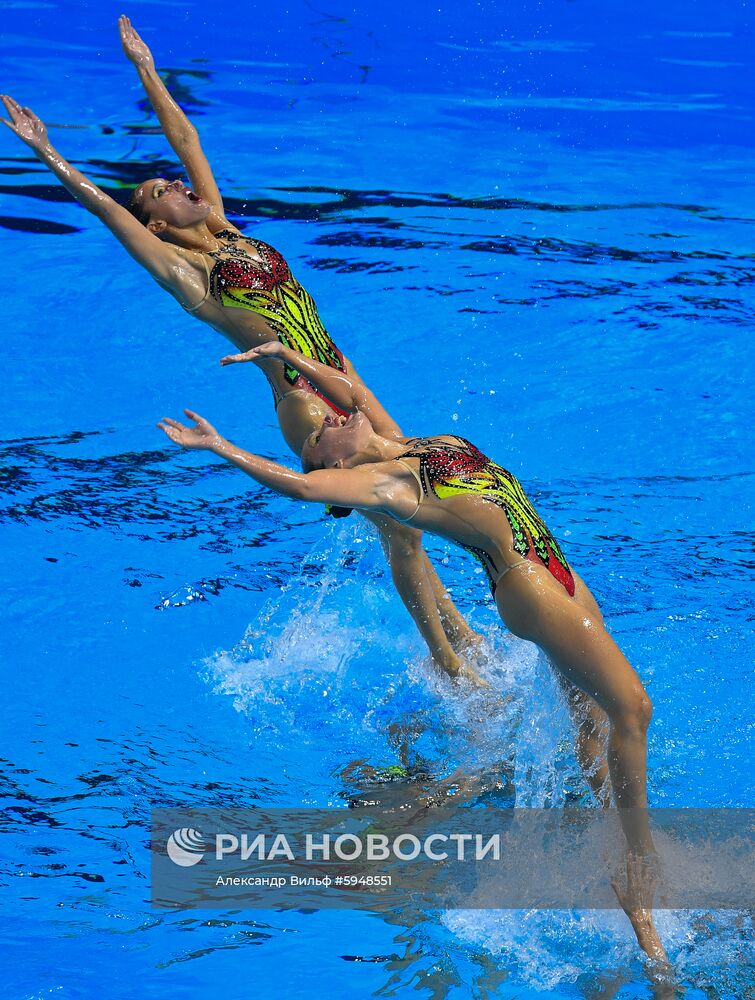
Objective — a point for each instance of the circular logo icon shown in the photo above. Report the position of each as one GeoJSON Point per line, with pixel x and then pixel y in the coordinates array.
{"type": "Point", "coordinates": [185, 847]}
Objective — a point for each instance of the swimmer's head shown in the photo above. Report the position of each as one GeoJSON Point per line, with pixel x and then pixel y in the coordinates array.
{"type": "Point", "coordinates": [337, 443]}
{"type": "Point", "coordinates": [163, 205]}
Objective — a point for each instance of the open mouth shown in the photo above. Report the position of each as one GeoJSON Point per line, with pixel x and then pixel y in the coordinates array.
{"type": "Point", "coordinates": [192, 197]}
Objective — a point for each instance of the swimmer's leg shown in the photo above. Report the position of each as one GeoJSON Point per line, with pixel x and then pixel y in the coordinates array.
{"type": "Point", "coordinates": [456, 627]}
{"type": "Point", "coordinates": [535, 607]}
{"type": "Point", "coordinates": [589, 719]}
{"type": "Point", "coordinates": [591, 724]}
{"type": "Point", "coordinates": [406, 557]}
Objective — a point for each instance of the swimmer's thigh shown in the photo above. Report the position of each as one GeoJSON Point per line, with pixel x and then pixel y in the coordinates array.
{"type": "Point", "coordinates": [534, 606]}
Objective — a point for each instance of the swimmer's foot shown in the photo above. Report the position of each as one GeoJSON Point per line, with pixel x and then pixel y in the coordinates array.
{"type": "Point", "coordinates": [647, 936]}
{"type": "Point", "coordinates": [467, 673]}
{"type": "Point", "coordinates": [636, 901]}
{"type": "Point", "coordinates": [458, 670]}
{"type": "Point", "coordinates": [464, 640]}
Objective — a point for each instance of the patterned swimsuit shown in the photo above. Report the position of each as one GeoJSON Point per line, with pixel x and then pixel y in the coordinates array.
{"type": "Point", "coordinates": [267, 287]}
{"type": "Point", "coordinates": [455, 468]}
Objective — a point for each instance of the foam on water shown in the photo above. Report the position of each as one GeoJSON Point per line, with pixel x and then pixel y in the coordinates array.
{"type": "Point", "coordinates": [548, 949]}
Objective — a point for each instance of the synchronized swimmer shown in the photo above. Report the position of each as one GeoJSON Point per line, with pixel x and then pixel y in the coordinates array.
{"type": "Point", "coordinates": [244, 289]}
{"type": "Point", "coordinates": [445, 485]}
{"type": "Point", "coordinates": [354, 455]}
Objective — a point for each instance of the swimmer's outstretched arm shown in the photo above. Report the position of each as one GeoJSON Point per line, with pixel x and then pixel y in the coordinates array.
{"type": "Point", "coordinates": [366, 488]}
{"type": "Point", "coordinates": [348, 392]}
{"type": "Point", "coordinates": [160, 259]}
{"type": "Point", "coordinates": [363, 487]}
{"type": "Point", "coordinates": [180, 133]}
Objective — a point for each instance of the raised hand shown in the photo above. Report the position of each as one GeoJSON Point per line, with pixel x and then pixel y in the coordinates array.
{"type": "Point", "coordinates": [202, 436]}
{"type": "Point", "coordinates": [272, 349]}
{"type": "Point", "coordinates": [24, 123]}
{"type": "Point", "coordinates": [136, 50]}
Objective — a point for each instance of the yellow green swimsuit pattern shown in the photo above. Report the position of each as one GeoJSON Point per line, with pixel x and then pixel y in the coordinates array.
{"type": "Point", "coordinates": [268, 288]}
{"type": "Point", "coordinates": [455, 468]}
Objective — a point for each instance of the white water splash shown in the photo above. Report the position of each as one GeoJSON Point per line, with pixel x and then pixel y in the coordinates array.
{"type": "Point", "coordinates": [334, 659]}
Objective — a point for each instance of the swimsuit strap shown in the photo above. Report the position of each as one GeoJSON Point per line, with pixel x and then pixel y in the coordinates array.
{"type": "Point", "coordinates": [421, 491]}
{"type": "Point", "coordinates": [193, 309]}
{"type": "Point", "coordinates": [519, 562]}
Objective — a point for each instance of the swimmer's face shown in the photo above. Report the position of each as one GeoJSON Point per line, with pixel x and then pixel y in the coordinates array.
{"type": "Point", "coordinates": [164, 203]}
{"type": "Point", "coordinates": [337, 441]}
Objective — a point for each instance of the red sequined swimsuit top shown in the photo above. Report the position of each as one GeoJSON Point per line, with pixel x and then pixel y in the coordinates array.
{"type": "Point", "coordinates": [264, 285]}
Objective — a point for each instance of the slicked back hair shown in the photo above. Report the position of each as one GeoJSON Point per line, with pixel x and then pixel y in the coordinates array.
{"type": "Point", "coordinates": [137, 208]}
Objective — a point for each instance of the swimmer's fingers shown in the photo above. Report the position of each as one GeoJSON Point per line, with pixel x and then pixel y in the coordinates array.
{"type": "Point", "coordinates": [171, 432]}
{"type": "Point", "coordinates": [19, 114]}
{"type": "Point", "coordinates": [133, 45]}
{"type": "Point", "coordinates": [204, 428]}
{"type": "Point", "coordinates": [236, 359]}
{"type": "Point", "coordinates": [186, 437]}
{"type": "Point", "coordinates": [12, 105]}
{"type": "Point", "coordinates": [14, 111]}
{"type": "Point", "coordinates": [269, 350]}
{"type": "Point", "coordinates": [196, 418]}
{"type": "Point", "coordinates": [203, 436]}
{"type": "Point", "coordinates": [24, 123]}
{"type": "Point", "coordinates": [172, 428]}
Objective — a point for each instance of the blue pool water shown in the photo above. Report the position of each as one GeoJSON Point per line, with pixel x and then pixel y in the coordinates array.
{"type": "Point", "coordinates": [532, 226]}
